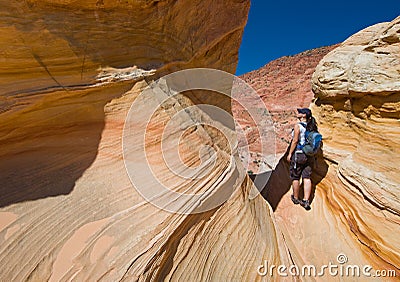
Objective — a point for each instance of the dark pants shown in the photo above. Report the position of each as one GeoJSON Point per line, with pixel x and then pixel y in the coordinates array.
{"type": "Point", "coordinates": [300, 166]}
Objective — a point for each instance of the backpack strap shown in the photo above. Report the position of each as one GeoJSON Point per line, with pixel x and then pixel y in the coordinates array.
{"type": "Point", "coordinates": [303, 124]}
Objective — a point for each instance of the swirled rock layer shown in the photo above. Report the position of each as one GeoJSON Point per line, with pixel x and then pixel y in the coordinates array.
{"type": "Point", "coordinates": [354, 220]}
{"type": "Point", "coordinates": [69, 72]}
{"type": "Point", "coordinates": [358, 109]}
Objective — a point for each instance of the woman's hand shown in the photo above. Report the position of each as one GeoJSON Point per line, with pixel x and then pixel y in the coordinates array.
{"type": "Point", "coordinates": [289, 156]}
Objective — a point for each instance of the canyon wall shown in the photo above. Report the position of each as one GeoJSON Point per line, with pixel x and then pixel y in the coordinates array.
{"type": "Point", "coordinates": [70, 71]}
{"type": "Point", "coordinates": [354, 96]}
{"type": "Point", "coordinates": [357, 87]}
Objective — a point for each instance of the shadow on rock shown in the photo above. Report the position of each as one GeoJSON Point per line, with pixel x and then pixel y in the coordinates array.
{"type": "Point", "coordinates": [279, 182]}
{"type": "Point", "coordinates": [46, 147]}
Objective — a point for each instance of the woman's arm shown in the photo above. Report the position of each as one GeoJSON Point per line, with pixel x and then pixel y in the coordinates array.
{"type": "Point", "coordinates": [295, 140]}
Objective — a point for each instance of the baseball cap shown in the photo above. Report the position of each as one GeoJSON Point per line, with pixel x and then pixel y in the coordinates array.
{"type": "Point", "coordinates": [305, 111]}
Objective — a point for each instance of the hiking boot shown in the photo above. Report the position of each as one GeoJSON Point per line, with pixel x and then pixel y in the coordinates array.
{"type": "Point", "coordinates": [305, 204]}
{"type": "Point", "coordinates": [294, 200]}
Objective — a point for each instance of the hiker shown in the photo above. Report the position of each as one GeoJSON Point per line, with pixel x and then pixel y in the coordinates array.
{"type": "Point", "coordinates": [300, 163]}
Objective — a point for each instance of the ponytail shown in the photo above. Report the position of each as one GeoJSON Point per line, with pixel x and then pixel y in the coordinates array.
{"type": "Point", "coordinates": [312, 124]}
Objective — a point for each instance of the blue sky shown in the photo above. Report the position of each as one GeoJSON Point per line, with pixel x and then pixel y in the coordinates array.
{"type": "Point", "coordinates": [279, 28]}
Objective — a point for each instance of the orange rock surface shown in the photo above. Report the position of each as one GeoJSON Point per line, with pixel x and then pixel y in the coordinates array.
{"type": "Point", "coordinates": [70, 71]}
{"type": "Point", "coordinates": [354, 211]}
{"type": "Point", "coordinates": [358, 107]}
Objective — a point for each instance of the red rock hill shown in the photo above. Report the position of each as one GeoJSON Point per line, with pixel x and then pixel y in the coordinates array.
{"type": "Point", "coordinates": [284, 85]}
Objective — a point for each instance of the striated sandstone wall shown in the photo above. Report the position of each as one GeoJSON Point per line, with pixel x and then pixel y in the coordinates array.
{"type": "Point", "coordinates": [67, 208]}
{"type": "Point", "coordinates": [355, 208]}
{"type": "Point", "coordinates": [358, 106]}
{"type": "Point", "coordinates": [356, 181]}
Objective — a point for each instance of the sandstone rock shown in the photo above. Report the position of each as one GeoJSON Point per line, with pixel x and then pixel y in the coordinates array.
{"type": "Point", "coordinates": [69, 74]}
{"type": "Point", "coordinates": [366, 63]}
{"type": "Point", "coordinates": [355, 204]}
{"type": "Point", "coordinates": [357, 91]}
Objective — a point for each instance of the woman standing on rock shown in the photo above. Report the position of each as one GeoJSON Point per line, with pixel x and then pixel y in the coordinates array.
{"type": "Point", "coordinates": [300, 164]}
